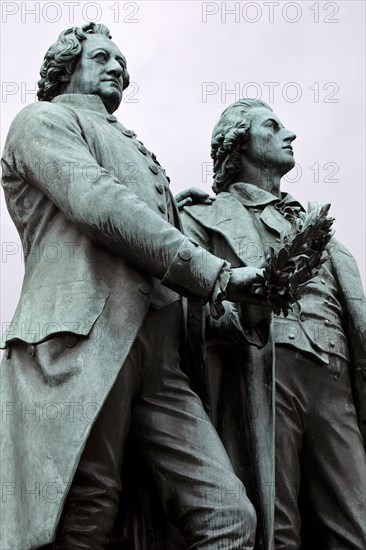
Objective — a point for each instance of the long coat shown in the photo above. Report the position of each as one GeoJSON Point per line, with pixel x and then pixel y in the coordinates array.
{"type": "Point", "coordinates": [236, 364]}
{"type": "Point", "coordinates": [90, 205]}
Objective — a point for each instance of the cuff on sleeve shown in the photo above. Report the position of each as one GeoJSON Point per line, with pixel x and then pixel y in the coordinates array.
{"type": "Point", "coordinates": [193, 271]}
{"type": "Point", "coordinates": [219, 291]}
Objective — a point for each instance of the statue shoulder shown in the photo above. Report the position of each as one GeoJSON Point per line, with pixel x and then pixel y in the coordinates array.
{"type": "Point", "coordinates": [197, 211]}
{"type": "Point", "coordinates": [194, 221]}
{"type": "Point", "coordinates": [207, 214]}
{"type": "Point", "coordinates": [38, 123]}
{"type": "Point", "coordinates": [41, 112]}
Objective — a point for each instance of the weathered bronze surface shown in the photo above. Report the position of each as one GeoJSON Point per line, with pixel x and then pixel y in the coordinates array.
{"type": "Point", "coordinates": [101, 434]}
{"type": "Point", "coordinates": [94, 340]}
{"type": "Point", "coordinates": [298, 381]}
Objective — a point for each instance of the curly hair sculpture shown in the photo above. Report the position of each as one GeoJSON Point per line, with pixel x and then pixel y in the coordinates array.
{"type": "Point", "coordinates": [229, 134]}
{"type": "Point", "coordinates": [61, 57]}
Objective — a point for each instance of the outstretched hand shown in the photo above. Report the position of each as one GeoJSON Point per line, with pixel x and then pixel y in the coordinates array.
{"type": "Point", "coordinates": [193, 195]}
{"type": "Point", "coordinates": [239, 288]}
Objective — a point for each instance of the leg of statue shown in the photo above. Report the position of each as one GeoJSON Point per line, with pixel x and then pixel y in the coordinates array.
{"type": "Point", "coordinates": [319, 456]}
{"type": "Point", "coordinates": [92, 503]}
{"type": "Point", "coordinates": [195, 480]}
{"type": "Point", "coordinates": [288, 444]}
{"type": "Point", "coordinates": [198, 488]}
{"type": "Point", "coordinates": [335, 463]}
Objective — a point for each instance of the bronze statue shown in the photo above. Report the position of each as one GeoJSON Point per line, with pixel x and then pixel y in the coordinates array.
{"type": "Point", "coordinates": [318, 350]}
{"type": "Point", "coordinates": [92, 351]}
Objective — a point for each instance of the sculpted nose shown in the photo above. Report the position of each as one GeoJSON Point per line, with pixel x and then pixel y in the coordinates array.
{"type": "Point", "coordinates": [290, 135]}
{"type": "Point", "coordinates": [114, 68]}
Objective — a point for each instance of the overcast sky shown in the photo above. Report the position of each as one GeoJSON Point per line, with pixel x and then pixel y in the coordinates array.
{"type": "Point", "coordinates": [188, 60]}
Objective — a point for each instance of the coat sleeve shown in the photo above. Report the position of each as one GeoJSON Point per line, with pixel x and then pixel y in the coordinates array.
{"type": "Point", "coordinates": [239, 322]}
{"type": "Point", "coordinates": [45, 147]}
{"type": "Point", "coordinates": [353, 300]}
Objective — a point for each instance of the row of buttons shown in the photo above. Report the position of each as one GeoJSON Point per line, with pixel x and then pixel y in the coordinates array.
{"type": "Point", "coordinates": [292, 336]}
{"type": "Point", "coordinates": [142, 148]}
{"type": "Point", "coordinates": [158, 186]}
{"type": "Point", "coordinates": [303, 318]}
{"type": "Point", "coordinates": [153, 167]}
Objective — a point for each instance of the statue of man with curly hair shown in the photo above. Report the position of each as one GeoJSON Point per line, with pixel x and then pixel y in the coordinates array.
{"type": "Point", "coordinates": [92, 352]}
{"type": "Point", "coordinates": [313, 448]}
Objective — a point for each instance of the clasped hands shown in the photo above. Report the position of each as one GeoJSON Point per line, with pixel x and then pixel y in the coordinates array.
{"type": "Point", "coordinates": [242, 278]}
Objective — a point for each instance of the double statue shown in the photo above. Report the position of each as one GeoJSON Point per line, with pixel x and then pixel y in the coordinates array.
{"type": "Point", "coordinates": [238, 415]}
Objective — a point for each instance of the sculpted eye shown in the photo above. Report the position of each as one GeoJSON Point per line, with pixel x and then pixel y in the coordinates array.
{"type": "Point", "coordinates": [122, 63]}
{"type": "Point", "coordinates": [101, 56]}
{"type": "Point", "coordinates": [272, 124]}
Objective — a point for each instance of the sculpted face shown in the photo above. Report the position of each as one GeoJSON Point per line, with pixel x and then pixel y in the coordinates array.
{"type": "Point", "coordinates": [99, 71]}
{"type": "Point", "coordinates": [269, 143]}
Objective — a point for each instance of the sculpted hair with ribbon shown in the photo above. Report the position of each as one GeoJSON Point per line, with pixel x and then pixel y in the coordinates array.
{"type": "Point", "coordinates": [231, 131]}
{"type": "Point", "coordinates": [61, 57]}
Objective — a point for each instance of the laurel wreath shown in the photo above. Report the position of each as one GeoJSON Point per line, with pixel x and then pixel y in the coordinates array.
{"type": "Point", "coordinates": [297, 262]}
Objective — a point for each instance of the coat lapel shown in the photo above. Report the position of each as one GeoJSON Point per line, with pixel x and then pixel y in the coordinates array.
{"type": "Point", "coordinates": [273, 220]}
{"type": "Point", "coordinates": [228, 217]}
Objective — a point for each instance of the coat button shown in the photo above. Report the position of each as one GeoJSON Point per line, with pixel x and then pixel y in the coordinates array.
{"type": "Point", "coordinates": [111, 118]}
{"type": "Point", "coordinates": [144, 288]}
{"type": "Point", "coordinates": [291, 336]}
{"type": "Point", "coordinates": [128, 133]}
{"type": "Point", "coordinates": [70, 340]}
{"type": "Point", "coordinates": [185, 254]}
{"type": "Point", "coordinates": [162, 208]}
{"type": "Point", "coordinates": [154, 168]}
{"type": "Point", "coordinates": [302, 317]}
{"type": "Point", "coordinates": [143, 149]}
{"type": "Point", "coordinates": [327, 322]}
{"type": "Point", "coordinates": [160, 188]}
{"type": "Point", "coordinates": [332, 344]}
{"type": "Point", "coordinates": [30, 350]}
